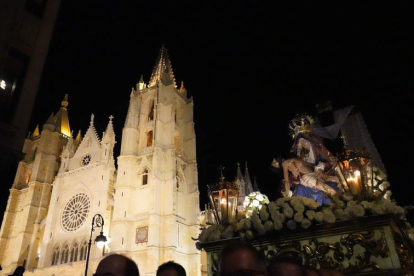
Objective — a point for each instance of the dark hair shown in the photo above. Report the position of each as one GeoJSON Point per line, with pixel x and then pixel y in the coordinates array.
{"type": "Point", "coordinates": [287, 257]}
{"type": "Point", "coordinates": [18, 271]}
{"type": "Point", "coordinates": [172, 265]}
{"type": "Point", "coordinates": [277, 170]}
{"type": "Point", "coordinates": [131, 267]}
{"type": "Point", "coordinates": [258, 257]}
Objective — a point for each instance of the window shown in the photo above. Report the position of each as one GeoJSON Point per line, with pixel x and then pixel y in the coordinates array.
{"type": "Point", "coordinates": [55, 257]}
{"type": "Point", "coordinates": [145, 177]}
{"type": "Point", "coordinates": [151, 111]}
{"type": "Point", "coordinates": [83, 251]}
{"type": "Point", "coordinates": [149, 138]}
{"type": "Point", "coordinates": [176, 141]}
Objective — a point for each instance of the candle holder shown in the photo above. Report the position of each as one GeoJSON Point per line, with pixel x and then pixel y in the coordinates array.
{"type": "Point", "coordinates": [354, 166]}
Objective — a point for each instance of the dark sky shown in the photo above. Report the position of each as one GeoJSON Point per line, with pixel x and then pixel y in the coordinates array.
{"type": "Point", "coordinates": [250, 68]}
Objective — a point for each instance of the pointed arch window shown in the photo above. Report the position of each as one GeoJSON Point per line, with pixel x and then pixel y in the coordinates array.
{"type": "Point", "coordinates": [28, 175]}
{"type": "Point", "coordinates": [151, 111]}
{"type": "Point", "coordinates": [55, 256]}
{"type": "Point", "coordinates": [145, 177]}
{"type": "Point", "coordinates": [83, 251]}
{"type": "Point", "coordinates": [64, 255]}
{"type": "Point", "coordinates": [74, 253]}
{"type": "Point", "coordinates": [149, 138]}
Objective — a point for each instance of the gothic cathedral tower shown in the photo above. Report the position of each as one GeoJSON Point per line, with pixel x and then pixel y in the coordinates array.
{"type": "Point", "coordinates": [156, 200]}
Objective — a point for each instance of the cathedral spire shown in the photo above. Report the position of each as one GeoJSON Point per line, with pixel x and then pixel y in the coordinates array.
{"type": "Point", "coordinates": [109, 132]}
{"type": "Point", "coordinates": [162, 71]}
{"type": "Point", "coordinates": [241, 183]}
{"type": "Point", "coordinates": [182, 88]}
{"type": "Point", "coordinates": [61, 119]}
{"type": "Point", "coordinates": [79, 136]}
{"type": "Point", "coordinates": [141, 83]}
{"type": "Point", "coordinates": [255, 185]}
{"type": "Point", "coordinates": [36, 132]}
{"type": "Point", "coordinates": [248, 181]}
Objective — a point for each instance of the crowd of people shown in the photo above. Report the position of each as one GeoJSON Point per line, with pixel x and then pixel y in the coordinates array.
{"type": "Point", "coordinates": [236, 259]}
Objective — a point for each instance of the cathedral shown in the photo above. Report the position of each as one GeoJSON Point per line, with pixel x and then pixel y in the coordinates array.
{"type": "Point", "coordinates": [149, 202]}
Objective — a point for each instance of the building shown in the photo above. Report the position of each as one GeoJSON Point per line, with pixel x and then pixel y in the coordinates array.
{"type": "Point", "coordinates": [150, 204]}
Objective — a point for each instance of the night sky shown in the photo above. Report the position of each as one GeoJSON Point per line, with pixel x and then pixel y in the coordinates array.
{"type": "Point", "coordinates": [250, 68]}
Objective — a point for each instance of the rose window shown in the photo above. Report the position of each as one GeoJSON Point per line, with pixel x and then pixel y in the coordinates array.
{"type": "Point", "coordinates": [75, 212]}
{"type": "Point", "coordinates": [86, 160]}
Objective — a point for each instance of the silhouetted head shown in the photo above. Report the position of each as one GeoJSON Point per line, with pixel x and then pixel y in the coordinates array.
{"type": "Point", "coordinates": [288, 263]}
{"type": "Point", "coordinates": [240, 258]}
{"type": "Point", "coordinates": [18, 271]}
{"type": "Point", "coordinates": [171, 269]}
{"type": "Point", "coordinates": [117, 265]}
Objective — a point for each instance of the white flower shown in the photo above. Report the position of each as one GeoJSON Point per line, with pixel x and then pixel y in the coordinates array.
{"type": "Point", "coordinates": [268, 226]}
{"type": "Point", "coordinates": [326, 211]}
{"type": "Point", "coordinates": [277, 225]}
{"type": "Point", "coordinates": [387, 195]}
{"type": "Point", "coordinates": [347, 196]}
{"type": "Point", "coordinates": [281, 201]}
{"type": "Point", "coordinates": [277, 216]}
{"type": "Point", "coordinates": [310, 214]}
{"type": "Point", "coordinates": [310, 203]}
{"type": "Point", "coordinates": [298, 217]}
{"type": "Point", "coordinates": [299, 208]}
{"type": "Point", "coordinates": [358, 210]}
{"type": "Point", "coordinates": [339, 204]}
{"type": "Point", "coordinates": [339, 213]}
{"type": "Point", "coordinates": [378, 209]}
{"type": "Point", "coordinates": [264, 215]}
{"type": "Point", "coordinates": [255, 203]}
{"type": "Point", "coordinates": [319, 216]}
{"type": "Point", "coordinates": [252, 194]}
{"type": "Point", "coordinates": [367, 205]}
{"type": "Point", "coordinates": [272, 206]}
{"type": "Point", "coordinates": [291, 224]}
{"type": "Point", "coordinates": [351, 203]}
{"type": "Point", "coordinates": [260, 197]}
{"type": "Point", "coordinates": [305, 223]}
{"type": "Point", "coordinates": [288, 212]}
{"type": "Point", "coordinates": [329, 218]}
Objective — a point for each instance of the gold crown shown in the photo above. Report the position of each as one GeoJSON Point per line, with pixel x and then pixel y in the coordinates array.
{"type": "Point", "coordinates": [301, 123]}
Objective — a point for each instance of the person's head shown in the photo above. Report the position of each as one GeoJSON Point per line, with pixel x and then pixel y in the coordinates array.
{"type": "Point", "coordinates": [171, 269]}
{"type": "Point", "coordinates": [276, 165]}
{"type": "Point", "coordinates": [285, 264]}
{"type": "Point", "coordinates": [116, 265]}
{"type": "Point", "coordinates": [240, 258]}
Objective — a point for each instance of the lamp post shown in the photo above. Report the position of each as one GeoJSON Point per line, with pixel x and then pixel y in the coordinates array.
{"type": "Point", "coordinates": [97, 221]}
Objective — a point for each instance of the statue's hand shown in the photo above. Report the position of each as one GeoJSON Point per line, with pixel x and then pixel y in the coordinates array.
{"type": "Point", "coordinates": [287, 193]}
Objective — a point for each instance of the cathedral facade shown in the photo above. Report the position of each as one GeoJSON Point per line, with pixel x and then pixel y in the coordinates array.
{"type": "Point", "coordinates": [150, 203]}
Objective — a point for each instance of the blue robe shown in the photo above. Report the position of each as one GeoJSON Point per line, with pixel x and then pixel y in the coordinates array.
{"type": "Point", "coordinates": [318, 196]}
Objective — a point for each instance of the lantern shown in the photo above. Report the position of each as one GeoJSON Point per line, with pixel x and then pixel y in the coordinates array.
{"type": "Point", "coordinates": [355, 166]}
{"type": "Point", "coordinates": [223, 198]}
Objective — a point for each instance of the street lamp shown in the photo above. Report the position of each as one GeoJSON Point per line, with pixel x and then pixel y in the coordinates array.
{"type": "Point", "coordinates": [97, 221]}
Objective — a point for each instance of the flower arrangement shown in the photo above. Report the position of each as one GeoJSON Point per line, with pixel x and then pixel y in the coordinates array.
{"type": "Point", "coordinates": [379, 182]}
{"type": "Point", "coordinates": [254, 202]}
{"type": "Point", "coordinates": [299, 212]}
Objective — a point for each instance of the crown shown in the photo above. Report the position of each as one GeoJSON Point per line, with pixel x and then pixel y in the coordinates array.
{"type": "Point", "coordinates": [301, 123]}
